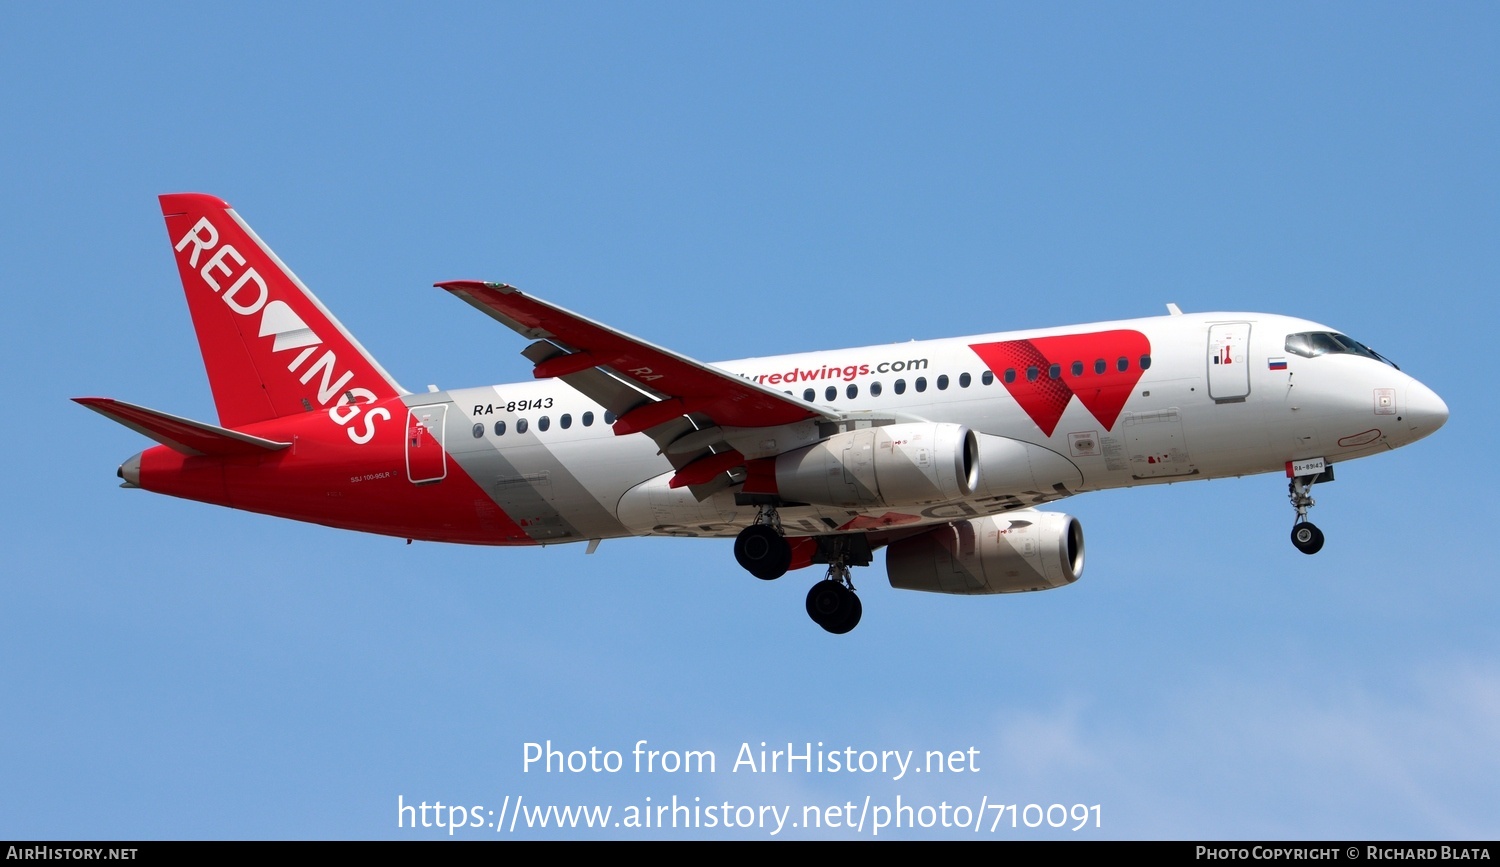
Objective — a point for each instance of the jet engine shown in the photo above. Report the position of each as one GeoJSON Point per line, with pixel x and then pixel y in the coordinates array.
{"type": "Point", "coordinates": [1009, 553]}
{"type": "Point", "coordinates": [913, 464]}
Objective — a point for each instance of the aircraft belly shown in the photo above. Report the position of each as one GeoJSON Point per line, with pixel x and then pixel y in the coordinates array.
{"type": "Point", "coordinates": [655, 508]}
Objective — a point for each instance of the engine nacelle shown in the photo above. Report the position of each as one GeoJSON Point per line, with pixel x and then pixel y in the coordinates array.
{"type": "Point", "coordinates": [1008, 553]}
{"type": "Point", "coordinates": [913, 464]}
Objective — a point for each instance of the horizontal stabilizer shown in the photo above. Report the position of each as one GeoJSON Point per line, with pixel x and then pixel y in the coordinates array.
{"type": "Point", "coordinates": [180, 434]}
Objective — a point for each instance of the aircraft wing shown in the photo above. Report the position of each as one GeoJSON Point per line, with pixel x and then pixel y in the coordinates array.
{"type": "Point", "coordinates": [682, 404]}
{"type": "Point", "coordinates": [661, 385]}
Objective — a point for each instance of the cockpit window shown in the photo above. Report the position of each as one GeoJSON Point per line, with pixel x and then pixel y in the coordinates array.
{"type": "Point", "coordinates": [1311, 344]}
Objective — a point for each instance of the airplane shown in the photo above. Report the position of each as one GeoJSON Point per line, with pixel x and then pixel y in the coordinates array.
{"type": "Point", "coordinates": [938, 451]}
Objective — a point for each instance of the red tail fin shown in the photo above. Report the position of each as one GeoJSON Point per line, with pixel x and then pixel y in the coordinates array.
{"type": "Point", "coordinates": [270, 347]}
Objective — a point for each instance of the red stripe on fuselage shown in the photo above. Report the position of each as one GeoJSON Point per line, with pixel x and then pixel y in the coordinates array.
{"type": "Point", "coordinates": [325, 479]}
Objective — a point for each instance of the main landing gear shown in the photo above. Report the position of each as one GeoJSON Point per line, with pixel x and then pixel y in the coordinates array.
{"type": "Point", "coordinates": [831, 603]}
{"type": "Point", "coordinates": [761, 549]}
{"type": "Point", "coordinates": [1305, 534]}
{"type": "Point", "coordinates": [764, 552]}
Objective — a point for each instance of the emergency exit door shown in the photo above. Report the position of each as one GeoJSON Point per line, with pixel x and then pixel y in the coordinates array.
{"type": "Point", "coordinates": [426, 462]}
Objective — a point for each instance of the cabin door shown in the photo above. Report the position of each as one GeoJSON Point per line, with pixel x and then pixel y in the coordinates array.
{"type": "Point", "coordinates": [1229, 361]}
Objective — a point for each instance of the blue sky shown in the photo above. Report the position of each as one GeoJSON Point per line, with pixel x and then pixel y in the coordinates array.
{"type": "Point", "coordinates": [734, 181]}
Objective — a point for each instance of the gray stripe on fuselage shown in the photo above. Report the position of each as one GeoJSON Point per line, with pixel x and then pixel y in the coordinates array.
{"type": "Point", "coordinates": [523, 474]}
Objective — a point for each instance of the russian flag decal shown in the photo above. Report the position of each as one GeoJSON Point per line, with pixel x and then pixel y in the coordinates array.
{"type": "Point", "coordinates": [1276, 363]}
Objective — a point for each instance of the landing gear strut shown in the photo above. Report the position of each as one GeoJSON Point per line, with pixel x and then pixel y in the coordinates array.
{"type": "Point", "coordinates": [761, 548]}
{"type": "Point", "coordinates": [1305, 535]}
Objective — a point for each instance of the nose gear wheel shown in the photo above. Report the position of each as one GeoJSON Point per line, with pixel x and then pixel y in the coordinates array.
{"type": "Point", "coordinates": [1307, 537]}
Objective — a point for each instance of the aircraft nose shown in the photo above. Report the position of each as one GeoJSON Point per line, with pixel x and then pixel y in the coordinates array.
{"type": "Point", "coordinates": [1425, 411]}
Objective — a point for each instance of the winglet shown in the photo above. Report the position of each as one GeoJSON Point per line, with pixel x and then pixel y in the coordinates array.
{"type": "Point", "coordinates": [180, 434]}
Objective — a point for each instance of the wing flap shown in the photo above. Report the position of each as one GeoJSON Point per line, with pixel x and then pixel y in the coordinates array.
{"type": "Point", "coordinates": [607, 390]}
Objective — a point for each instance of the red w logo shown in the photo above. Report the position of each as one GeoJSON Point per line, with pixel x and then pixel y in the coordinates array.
{"type": "Point", "coordinates": [1078, 359]}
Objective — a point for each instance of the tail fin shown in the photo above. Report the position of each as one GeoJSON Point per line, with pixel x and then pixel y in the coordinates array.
{"type": "Point", "coordinates": [270, 347]}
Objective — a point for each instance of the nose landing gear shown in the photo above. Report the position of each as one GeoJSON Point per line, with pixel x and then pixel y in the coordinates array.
{"type": "Point", "coordinates": [1306, 536]}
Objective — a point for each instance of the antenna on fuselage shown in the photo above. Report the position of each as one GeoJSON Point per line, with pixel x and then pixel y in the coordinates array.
{"type": "Point", "coordinates": [1174, 309]}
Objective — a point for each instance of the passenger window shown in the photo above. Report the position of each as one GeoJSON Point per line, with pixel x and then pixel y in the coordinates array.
{"type": "Point", "coordinates": [901, 386]}
{"type": "Point", "coordinates": [921, 383]}
{"type": "Point", "coordinates": [987, 378]}
{"type": "Point", "coordinates": [566, 421]}
{"type": "Point", "coordinates": [964, 379]}
{"type": "Point", "coordinates": [1054, 372]}
{"type": "Point", "coordinates": [852, 391]}
{"type": "Point", "coordinates": [1010, 374]}
{"type": "Point", "coordinates": [1078, 368]}
{"type": "Point", "coordinates": [588, 419]}
{"type": "Point", "coordinates": [830, 393]}
{"type": "Point", "coordinates": [520, 425]}
{"type": "Point", "coordinates": [1123, 364]}
{"type": "Point", "coordinates": [1145, 362]}
{"type": "Point", "coordinates": [609, 417]}
{"type": "Point", "coordinates": [543, 423]}
{"type": "Point", "coordinates": [874, 389]}
{"type": "Point", "coordinates": [1099, 366]}
{"type": "Point", "coordinates": [942, 382]}
{"type": "Point", "coordinates": [1032, 373]}
{"type": "Point", "coordinates": [809, 395]}
{"type": "Point", "coordinates": [499, 428]}
{"type": "Point", "coordinates": [478, 430]}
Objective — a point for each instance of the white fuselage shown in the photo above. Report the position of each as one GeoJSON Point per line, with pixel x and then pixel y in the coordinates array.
{"type": "Point", "coordinates": [1106, 405]}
